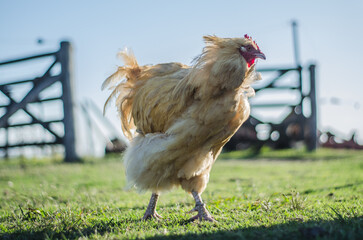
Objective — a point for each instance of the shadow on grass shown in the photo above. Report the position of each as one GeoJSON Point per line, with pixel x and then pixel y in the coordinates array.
{"type": "Point", "coordinates": [308, 191]}
{"type": "Point", "coordinates": [335, 229]}
{"type": "Point", "coordinates": [296, 157]}
{"type": "Point", "coordinates": [290, 154]}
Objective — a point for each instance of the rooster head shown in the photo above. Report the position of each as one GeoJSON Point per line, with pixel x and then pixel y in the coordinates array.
{"type": "Point", "coordinates": [245, 48]}
{"type": "Point", "coordinates": [250, 51]}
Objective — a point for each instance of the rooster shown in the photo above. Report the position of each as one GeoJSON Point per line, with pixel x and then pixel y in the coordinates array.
{"type": "Point", "coordinates": [178, 118]}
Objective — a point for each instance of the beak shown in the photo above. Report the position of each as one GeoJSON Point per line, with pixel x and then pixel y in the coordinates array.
{"type": "Point", "coordinates": [259, 54]}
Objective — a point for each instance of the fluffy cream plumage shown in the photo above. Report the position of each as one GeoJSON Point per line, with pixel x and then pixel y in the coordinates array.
{"type": "Point", "coordinates": [177, 117]}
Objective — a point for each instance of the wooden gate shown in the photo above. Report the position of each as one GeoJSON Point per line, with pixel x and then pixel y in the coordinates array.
{"type": "Point", "coordinates": [61, 58]}
{"type": "Point", "coordinates": [295, 126]}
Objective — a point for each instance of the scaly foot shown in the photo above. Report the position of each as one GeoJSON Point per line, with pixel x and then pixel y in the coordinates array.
{"type": "Point", "coordinates": [150, 215]}
{"type": "Point", "coordinates": [203, 214]}
{"type": "Point", "coordinates": [209, 219]}
{"type": "Point", "coordinates": [151, 208]}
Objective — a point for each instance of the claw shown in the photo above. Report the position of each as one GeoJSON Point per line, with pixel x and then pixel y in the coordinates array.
{"type": "Point", "coordinates": [203, 214]}
{"type": "Point", "coordinates": [193, 210]}
{"type": "Point", "coordinates": [150, 211]}
{"type": "Point", "coordinates": [202, 218]}
{"type": "Point", "coordinates": [149, 215]}
{"type": "Point", "coordinates": [158, 215]}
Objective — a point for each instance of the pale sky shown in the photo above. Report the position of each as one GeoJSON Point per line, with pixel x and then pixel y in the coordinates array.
{"type": "Point", "coordinates": [330, 35]}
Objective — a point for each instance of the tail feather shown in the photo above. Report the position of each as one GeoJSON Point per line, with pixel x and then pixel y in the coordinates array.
{"type": "Point", "coordinates": [128, 57]}
{"type": "Point", "coordinates": [131, 64]}
{"type": "Point", "coordinates": [122, 83]}
{"type": "Point", "coordinates": [114, 78]}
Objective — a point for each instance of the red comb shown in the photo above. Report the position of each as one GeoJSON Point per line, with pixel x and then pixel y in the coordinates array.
{"type": "Point", "coordinates": [250, 38]}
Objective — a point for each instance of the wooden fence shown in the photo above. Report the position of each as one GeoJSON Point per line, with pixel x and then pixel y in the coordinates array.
{"type": "Point", "coordinates": [293, 128]}
{"type": "Point", "coordinates": [62, 58]}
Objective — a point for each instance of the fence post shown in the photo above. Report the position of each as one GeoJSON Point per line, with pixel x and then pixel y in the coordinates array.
{"type": "Point", "coordinates": [69, 139]}
{"type": "Point", "coordinates": [312, 121]}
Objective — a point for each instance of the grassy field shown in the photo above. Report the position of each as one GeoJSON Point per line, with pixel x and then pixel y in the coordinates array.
{"type": "Point", "coordinates": [276, 195]}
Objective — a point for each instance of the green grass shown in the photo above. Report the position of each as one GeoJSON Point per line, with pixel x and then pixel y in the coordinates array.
{"type": "Point", "coordinates": [270, 196]}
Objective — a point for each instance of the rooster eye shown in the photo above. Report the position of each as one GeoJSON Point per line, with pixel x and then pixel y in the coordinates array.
{"type": "Point", "coordinates": [243, 49]}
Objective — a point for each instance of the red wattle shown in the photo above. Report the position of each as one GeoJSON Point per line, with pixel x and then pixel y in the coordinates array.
{"type": "Point", "coordinates": [250, 62]}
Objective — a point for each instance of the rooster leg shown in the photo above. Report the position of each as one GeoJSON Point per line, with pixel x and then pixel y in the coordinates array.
{"type": "Point", "coordinates": [203, 213]}
{"type": "Point", "coordinates": [151, 208]}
